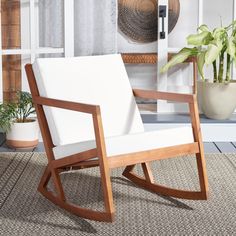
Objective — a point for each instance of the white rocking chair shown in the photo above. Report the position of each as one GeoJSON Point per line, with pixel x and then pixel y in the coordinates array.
{"type": "Point", "coordinates": [88, 117]}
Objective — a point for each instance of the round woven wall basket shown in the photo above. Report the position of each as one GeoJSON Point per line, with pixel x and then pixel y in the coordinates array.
{"type": "Point", "coordinates": [137, 19]}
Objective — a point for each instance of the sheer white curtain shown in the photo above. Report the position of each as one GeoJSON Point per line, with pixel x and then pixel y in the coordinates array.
{"type": "Point", "coordinates": [95, 25]}
{"type": "Point", "coordinates": [51, 33]}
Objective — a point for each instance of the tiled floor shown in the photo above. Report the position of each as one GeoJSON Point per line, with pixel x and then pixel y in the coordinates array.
{"type": "Point", "coordinates": [214, 147]}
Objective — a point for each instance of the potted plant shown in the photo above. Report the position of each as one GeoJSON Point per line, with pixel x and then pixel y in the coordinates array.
{"type": "Point", "coordinates": [218, 49]}
{"type": "Point", "coordinates": [15, 119]}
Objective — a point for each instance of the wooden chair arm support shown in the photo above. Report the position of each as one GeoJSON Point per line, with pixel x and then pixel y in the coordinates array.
{"type": "Point", "coordinates": [94, 110]}
{"type": "Point", "coordinates": [74, 106]}
{"type": "Point", "coordinates": [191, 99]}
{"type": "Point", "coordinates": [152, 94]}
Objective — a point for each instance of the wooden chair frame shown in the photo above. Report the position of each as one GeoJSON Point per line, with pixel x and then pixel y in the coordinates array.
{"type": "Point", "coordinates": [83, 159]}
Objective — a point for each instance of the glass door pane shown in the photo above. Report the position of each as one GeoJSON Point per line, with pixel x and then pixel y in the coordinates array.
{"type": "Point", "coordinates": [187, 23]}
{"type": "Point", "coordinates": [51, 23]}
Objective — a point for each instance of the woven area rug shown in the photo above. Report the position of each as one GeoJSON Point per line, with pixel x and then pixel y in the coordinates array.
{"type": "Point", "coordinates": [23, 211]}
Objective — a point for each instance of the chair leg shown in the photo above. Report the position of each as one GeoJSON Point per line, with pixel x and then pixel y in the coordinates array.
{"type": "Point", "coordinates": [128, 169]}
{"type": "Point", "coordinates": [51, 173]}
{"type": "Point", "coordinates": [147, 172]}
{"type": "Point", "coordinates": [103, 164]}
{"type": "Point", "coordinates": [57, 184]}
{"type": "Point", "coordinates": [203, 180]}
{"type": "Point", "coordinates": [44, 179]}
{"type": "Point", "coordinates": [107, 191]}
{"type": "Point", "coordinates": [201, 163]}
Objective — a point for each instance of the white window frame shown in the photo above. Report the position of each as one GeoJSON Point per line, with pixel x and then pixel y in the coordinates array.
{"type": "Point", "coordinates": [34, 49]}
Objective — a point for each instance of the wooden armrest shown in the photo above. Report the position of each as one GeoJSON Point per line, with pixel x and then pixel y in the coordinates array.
{"type": "Point", "coordinates": [151, 94]}
{"type": "Point", "coordinates": [74, 106]}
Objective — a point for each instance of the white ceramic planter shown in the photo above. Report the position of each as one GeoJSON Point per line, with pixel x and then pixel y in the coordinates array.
{"type": "Point", "coordinates": [23, 135]}
{"type": "Point", "coordinates": [217, 100]}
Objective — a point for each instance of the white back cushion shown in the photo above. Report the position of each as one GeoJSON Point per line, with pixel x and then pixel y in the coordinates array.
{"type": "Point", "coordinates": [98, 80]}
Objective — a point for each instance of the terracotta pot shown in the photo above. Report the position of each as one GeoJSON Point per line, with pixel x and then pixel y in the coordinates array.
{"type": "Point", "coordinates": [23, 135]}
{"type": "Point", "coordinates": [217, 100]}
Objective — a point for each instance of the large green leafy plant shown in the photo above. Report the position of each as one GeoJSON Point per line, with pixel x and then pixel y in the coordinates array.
{"type": "Point", "coordinates": [18, 111]}
{"type": "Point", "coordinates": [210, 48]}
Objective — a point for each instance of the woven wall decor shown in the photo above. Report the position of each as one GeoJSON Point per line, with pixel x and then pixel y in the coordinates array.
{"type": "Point", "coordinates": [137, 19]}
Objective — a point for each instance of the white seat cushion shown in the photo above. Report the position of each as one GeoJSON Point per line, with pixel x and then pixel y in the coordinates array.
{"type": "Point", "coordinates": [97, 80]}
{"type": "Point", "coordinates": [132, 142]}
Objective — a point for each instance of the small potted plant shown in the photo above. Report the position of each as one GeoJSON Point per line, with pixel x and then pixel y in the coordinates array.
{"type": "Point", "coordinates": [16, 120]}
{"type": "Point", "coordinates": [216, 48]}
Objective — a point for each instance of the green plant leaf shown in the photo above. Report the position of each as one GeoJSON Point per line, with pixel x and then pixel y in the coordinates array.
{"type": "Point", "coordinates": [219, 33]}
{"type": "Point", "coordinates": [18, 110]}
{"type": "Point", "coordinates": [210, 46]}
{"type": "Point", "coordinates": [232, 25]}
{"type": "Point", "coordinates": [204, 38]}
{"type": "Point", "coordinates": [203, 28]}
{"type": "Point", "coordinates": [7, 111]}
{"type": "Point", "coordinates": [231, 47]}
{"type": "Point", "coordinates": [180, 57]}
{"type": "Point", "coordinates": [213, 51]}
{"type": "Point", "coordinates": [201, 63]}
